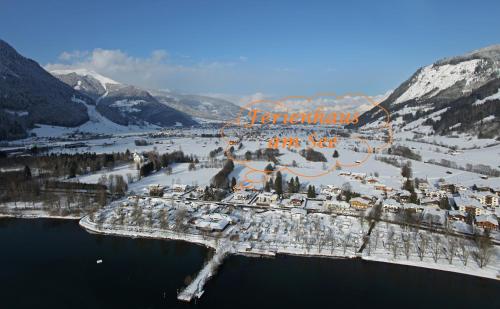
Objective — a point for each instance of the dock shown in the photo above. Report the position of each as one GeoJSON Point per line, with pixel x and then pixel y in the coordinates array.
{"type": "Point", "coordinates": [195, 288]}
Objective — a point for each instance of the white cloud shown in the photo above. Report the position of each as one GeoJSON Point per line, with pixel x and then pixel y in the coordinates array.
{"type": "Point", "coordinates": [241, 100]}
{"type": "Point", "coordinates": [69, 56]}
{"type": "Point", "coordinates": [155, 71]}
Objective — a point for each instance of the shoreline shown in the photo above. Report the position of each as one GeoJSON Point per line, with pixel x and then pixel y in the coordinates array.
{"type": "Point", "coordinates": [170, 235]}
{"type": "Point", "coordinates": [38, 215]}
{"type": "Point", "coordinates": [90, 227]}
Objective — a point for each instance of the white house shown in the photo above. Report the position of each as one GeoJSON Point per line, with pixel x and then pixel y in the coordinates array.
{"type": "Point", "coordinates": [391, 205]}
{"type": "Point", "coordinates": [331, 190]}
{"type": "Point", "coordinates": [336, 205]}
{"type": "Point", "coordinates": [486, 198]}
{"type": "Point", "coordinates": [179, 188]}
{"type": "Point", "coordinates": [241, 196]}
{"type": "Point", "coordinates": [266, 198]}
{"type": "Point", "coordinates": [469, 205]}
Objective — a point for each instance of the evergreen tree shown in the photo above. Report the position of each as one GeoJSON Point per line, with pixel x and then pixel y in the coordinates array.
{"type": "Point", "coordinates": [406, 170]}
{"type": "Point", "coordinates": [335, 154]}
{"type": "Point", "coordinates": [297, 184]}
{"type": "Point", "coordinates": [27, 173]}
{"type": "Point", "coordinates": [278, 184]}
{"type": "Point", "coordinates": [291, 186]}
{"type": "Point", "coordinates": [267, 186]}
{"type": "Point", "coordinates": [233, 183]}
{"type": "Point", "coordinates": [268, 169]}
{"type": "Point", "coordinates": [311, 191]}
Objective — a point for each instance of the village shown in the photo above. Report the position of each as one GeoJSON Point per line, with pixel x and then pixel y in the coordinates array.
{"type": "Point", "coordinates": [442, 224]}
{"type": "Point", "coordinates": [185, 186]}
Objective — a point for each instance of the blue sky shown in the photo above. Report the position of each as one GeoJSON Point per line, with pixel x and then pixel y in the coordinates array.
{"type": "Point", "coordinates": [243, 47]}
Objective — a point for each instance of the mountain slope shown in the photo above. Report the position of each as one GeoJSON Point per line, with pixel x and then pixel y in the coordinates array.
{"type": "Point", "coordinates": [454, 94]}
{"type": "Point", "coordinates": [123, 104]}
{"type": "Point", "coordinates": [87, 82]}
{"type": "Point", "coordinates": [29, 95]}
{"type": "Point", "coordinates": [198, 105]}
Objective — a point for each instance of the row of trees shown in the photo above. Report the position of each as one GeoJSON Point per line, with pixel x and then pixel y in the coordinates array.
{"type": "Point", "coordinates": [220, 180]}
{"type": "Point", "coordinates": [155, 161]}
{"type": "Point", "coordinates": [69, 165]}
{"type": "Point", "coordinates": [434, 246]}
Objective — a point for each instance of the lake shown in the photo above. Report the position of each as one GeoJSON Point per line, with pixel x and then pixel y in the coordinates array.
{"type": "Point", "coordinates": [52, 264]}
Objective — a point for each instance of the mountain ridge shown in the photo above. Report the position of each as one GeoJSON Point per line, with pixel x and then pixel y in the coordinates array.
{"type": "Point", "coordinates": [440, 97]}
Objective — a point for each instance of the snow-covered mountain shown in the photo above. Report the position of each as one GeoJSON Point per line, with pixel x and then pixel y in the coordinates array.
{"type": "Point", "coordinates": [88, 82]}
{"type": "Point", "coordinates": [460, 94]}
{"type": "Point", "coordinates": [123, 104]}
{"type": "Point", "coordinates": [103, 89]}
{"type": "Point", "coordinates": [198, 106]}
{"type": "Point", "coordinates": [29, 95]}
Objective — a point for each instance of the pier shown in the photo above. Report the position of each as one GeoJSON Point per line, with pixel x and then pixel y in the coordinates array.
{"type": "Point", "coordinates": [195, 288]}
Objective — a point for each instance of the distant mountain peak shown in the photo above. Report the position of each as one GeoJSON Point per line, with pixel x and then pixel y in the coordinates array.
{"type": "Point", "coordinates": [85, 73]}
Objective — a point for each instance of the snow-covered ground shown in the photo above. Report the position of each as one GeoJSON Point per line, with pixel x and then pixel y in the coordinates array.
{"type": "Point", "coordinates": [281, 231]}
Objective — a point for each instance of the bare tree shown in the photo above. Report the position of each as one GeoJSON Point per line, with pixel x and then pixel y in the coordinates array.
{"type": "Point", "coordinates": [377, 235]}
{"type": "Point", "coordinates": [394, 249]}
{"type": "Point", "coordinates": [406, 238]}
{"type": "Point", "coordinates": [333, 241]}
{"type": "Point", "coordinates": [368, 243]}
{"type": "Point", "coordinates": [436, 247]}
{"type": "Point", "coordinates": [464, 251]}
{"type": "Point", "coordinates": [451, 248]}
{"type": "Point", "coordinates": [346, 241]}
{"type": "Point", "coordinates": [422, 243]}
{"type": "Point", "coordinates": [483, 251]}
{"type": "Point", "coordinates": [180, 216]}
{"type": "Point", "coordinates": [163, 216]}
{"type": "Point", "coordinates": [390, 237]}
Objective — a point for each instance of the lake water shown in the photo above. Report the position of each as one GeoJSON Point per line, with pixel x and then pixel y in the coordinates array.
{"type": "Point", "coordinates": [52, 264]}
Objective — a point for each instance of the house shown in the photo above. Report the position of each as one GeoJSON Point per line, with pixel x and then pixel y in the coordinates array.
{"type": "Point", "coordinates": [266, 198]}
{"type": "Point", "coordinates": [315, 205]}
{"type": "Point", "coordinates": [382, 187]}
{"type": "Point", "coordinates": [403, 196]}
{"type": "Point", "coordinates": [242, 196]}
{"type": "Point", "coordinates": [211, 224]}
{"type": "Point", "coordinates": [432, 216]}
{"type": "Point", "coordinates": [372, 180]}
{"type": "Point", "coordinates": [358, 176]}
{"type": "Point", "coordinates": [359, 203]}
{"type": "Point", "coordinates": [423, 186]}
{"type": "Point", "coordinates": [469, 205]}
{"type": "Point", "coordinates": [487, 222]}
{"type": "Point", "coordinates": [297, 200]}
{"type": "Point", "coordinates": [486, 198]}
{"type": "Point", "coordinates": [200, 190]}
{"type": "Point", "coordinates": [391, 205]}
{"type": "Point", "coordinates": [335, 205]}
{"type": "Point", "coordinates": [430, 201]}
{"type": "Point", "coordinates": [331, 190]}
{"type": "Point", "coordinates": [413, 207]}
{"type": "Point", "coordinates": [156, 190]}
{"type": "Point", "coordinates": [448, 187]}
{"type": "Point", "coordinates": [179, 188]}
{"type": "Point", "coordinates": [436, 193]}
{"type": "Point", "coordinates": [457, 215]}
